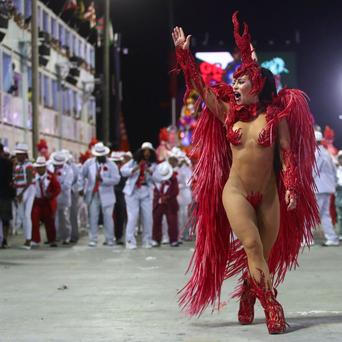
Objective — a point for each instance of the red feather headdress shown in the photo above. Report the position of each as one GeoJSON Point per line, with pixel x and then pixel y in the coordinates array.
{"type": "Point", "coordinates": [249, 66]}
{"type": "Point", "coordinates": [329, 133]}
{"type": "Point", "coordinates": [92, 142]}
{"type": "Point", "coordinates": [42, 144]}
{"type": "Point", "coordinates": [163, 134]}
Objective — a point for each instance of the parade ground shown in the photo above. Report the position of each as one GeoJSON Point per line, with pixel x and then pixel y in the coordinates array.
{"type": "Point", "coordinates": [79, 293]}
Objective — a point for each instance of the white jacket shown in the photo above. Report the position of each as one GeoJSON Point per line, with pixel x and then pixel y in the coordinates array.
{"type": "Point", "coordinates": [75, 188]}
{"type": "Point", "coordinates": [326, 178]}
{"type": "Point", "coordinates": [65, 177]}
{"type": "Point", "coordinates": [184, 176]}
{"type": "Point", "coordinates": [110, 175]}
{"type": "Point", "coordinates": [127, 171]}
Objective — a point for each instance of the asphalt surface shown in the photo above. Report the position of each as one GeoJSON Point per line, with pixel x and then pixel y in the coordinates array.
{"type": "Point", "coordinates": [79, 293]}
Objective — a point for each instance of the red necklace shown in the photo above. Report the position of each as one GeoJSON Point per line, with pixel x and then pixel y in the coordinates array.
{"type": "Point", "coordinates": [247, 112]}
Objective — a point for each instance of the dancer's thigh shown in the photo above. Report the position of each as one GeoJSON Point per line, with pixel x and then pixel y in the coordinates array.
{"type": "Point", "coordinates": [242, 219]}
{"type": "Point", "coordinates": [268, 218]}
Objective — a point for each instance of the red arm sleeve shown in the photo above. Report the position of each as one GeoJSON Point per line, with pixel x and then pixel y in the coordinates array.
{"type": "Point", "coordinates": [194, 81]}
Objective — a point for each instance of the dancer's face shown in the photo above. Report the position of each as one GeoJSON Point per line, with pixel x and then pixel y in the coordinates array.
{"type": "Point", "coordinates": [242, 87]}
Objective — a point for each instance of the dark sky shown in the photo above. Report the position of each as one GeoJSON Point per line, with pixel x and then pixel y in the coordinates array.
{"type": "Point", "coordinates": [145, 29]}
{"type": "Point", "coordinates": [144, 25]}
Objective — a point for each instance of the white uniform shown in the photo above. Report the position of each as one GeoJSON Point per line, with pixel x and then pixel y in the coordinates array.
{"type": "Point", "coordinates": [83, 208]}
{"type": "Point", "coordinates": [65, 177]}
{"type": "Point", "coordinates": [325, 182]}
{"type": "Point", "coordinates": [184, 197]}
{"type": "Point", "coordinates": [138, 198]}
{"type": "Point", "coordinates": [339, 175]}
{"type": "Point", "coordinates": [101, 195]}
{"type": "Point", "coordinates": [74, 208]}
{"type": "Point", "coordinates": [24, 208]}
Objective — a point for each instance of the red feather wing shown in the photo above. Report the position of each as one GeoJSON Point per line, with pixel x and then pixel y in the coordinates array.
{"type": "Point", "coordinates": [296, 225]}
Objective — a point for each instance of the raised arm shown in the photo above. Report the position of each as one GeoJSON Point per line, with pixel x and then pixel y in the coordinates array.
{"type": "Point", "coordinates": [193, 78]}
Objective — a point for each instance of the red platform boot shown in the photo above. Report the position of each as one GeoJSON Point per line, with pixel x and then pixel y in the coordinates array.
{"type": "Point", "coordinates": [275, 318]}
{"type": "Point", "coordinates": [247, 301]}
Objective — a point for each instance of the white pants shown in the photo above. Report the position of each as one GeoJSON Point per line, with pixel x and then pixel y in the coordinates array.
{"type": "Point", "coordinates": [323, 202]}
{"type": "Point", "coordinates": [107, 213]}
{"type": "Point", "coordinates": [23, 212]}
{"type": "Point", "coordinates": [140, 199]}
{"type": "Point", "coordinates": [83, 213]}
{"type": "Point", "coordinates": [183, 217]}
{"type": "Point", "coordinates": [63, 227]}
{"type": "Point", "coordinates": [14, 222]}
{"type": "Point", "coordinates": [74, 215]}
{"type": "Point", "coordinates": [165, 233]}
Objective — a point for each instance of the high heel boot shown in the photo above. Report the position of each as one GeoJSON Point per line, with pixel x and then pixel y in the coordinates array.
{"type": "Point", "coordinates": [247, 301]}
{"type": "Point", "coordinates": [275, 318]}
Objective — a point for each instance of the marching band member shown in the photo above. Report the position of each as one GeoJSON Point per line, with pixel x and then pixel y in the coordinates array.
{"type": "Point", "coordinates": [184, 198]}
{"type": "Point", "coordinates": [45, 203]}
{"type": "Point", "coordinates": [325, 180]}
{"type": "Point", "coordinates": [75, 189]}
{"type": "Point", "coordinates": [23, 181]}
{"type": "Point", "coordinates": [101, 175]}
{"type": "Point", "coordinates": [120, 214]}
{"type": "Point", "coordinates": [65, 178]}
{"type": "Point", "coordinates": [7, 194]}
{"type": "Point", "coordinates": [138, 193]}
{"type": "Point", "coordinates": [165, 203]}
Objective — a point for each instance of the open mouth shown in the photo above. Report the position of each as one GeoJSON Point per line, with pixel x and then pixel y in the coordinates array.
{"type": "Point", "coordinates": [237, 96]}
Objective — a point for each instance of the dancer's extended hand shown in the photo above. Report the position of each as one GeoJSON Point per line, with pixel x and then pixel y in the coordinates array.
{"type": "Point", "coordinates": [179, 39]}
{"type": "Point", "coordinates": [290, 200]}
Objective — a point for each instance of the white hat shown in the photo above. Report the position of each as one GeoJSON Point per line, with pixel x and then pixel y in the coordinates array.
{"type": "Point", "coordinates": [147, 145]}
{"type": "Point", "coordinates": [40, 162]}
{"type": "Point", "coordinates": [21, 149]}
{"type": "Point", "coordinates": [128, 154]}
{"type": "Point", "coordinates": [177, 152]}
{"type": "Point", "coordinates": [100, 150]}
{"type": "Point", "coordinates": [172, 155]}
{"type": "Point", "coordinates": [339, 154]}
{"type": "Point", "coordinates": [164, 171]}
{"type": "Point", "coordinates": [116, 156]}
{"type": "Point", "coordinates": [6, 150]}
{"type": "Point", "coordinates": [67, 154]}
{"type": "Point", "coordinates": [318, 136]}
{"type": "Point", "coordinates": [58, 158]}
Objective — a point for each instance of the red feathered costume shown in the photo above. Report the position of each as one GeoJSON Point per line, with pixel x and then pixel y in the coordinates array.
{"type": "Point", "coordinates": [218, 255]}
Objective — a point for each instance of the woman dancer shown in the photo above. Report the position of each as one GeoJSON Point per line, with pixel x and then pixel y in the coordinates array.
{"type": "Point", "coordinates": [254, 179]}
